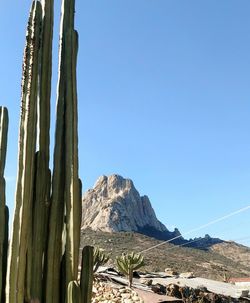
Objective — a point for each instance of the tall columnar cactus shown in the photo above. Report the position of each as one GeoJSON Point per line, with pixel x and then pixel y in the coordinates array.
{"type": "Point", "coordinates": [4, 121]}
{"type": "Point", "coordinates": [128, 263]}
{"type": "Point", "coordinates": [65, 183]}
{"type": "Point", "coordinates": [42, 181]}
{"type": "Point", "coordinates": [41, 265]}
{"type": "Point", "coordinates": [72, 198]}
{"type": "Point", "coordinates": [86, 279]}
{"type": "Point", "coordinates": [73, 292]}
{"type": "Point", "coordinates": [26, 160]}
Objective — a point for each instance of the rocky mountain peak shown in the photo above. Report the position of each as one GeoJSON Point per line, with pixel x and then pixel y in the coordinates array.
{"type": "Point", "coordinates": [113, 185]}
{"type": "Point", "coordinates": [114, 204]}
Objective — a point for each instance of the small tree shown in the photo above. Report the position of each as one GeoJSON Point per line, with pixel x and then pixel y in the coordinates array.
{"type": "Point", "coordinates": [100, 258]}
{"type": "Point", "coordinates": [128, 263]}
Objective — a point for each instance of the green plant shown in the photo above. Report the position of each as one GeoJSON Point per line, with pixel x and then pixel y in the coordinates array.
{"type": "Point", "coordinates": [4, 213]}
{"type": "Point", "coordinates": [73, 292]}
{"type": "Point", "coordinates": [128, 263]}
{"type": "Point", "coordinates": [44, 246]}
{"type": "Point", "coordinates": [226, 276]}
{"type": "Point", "coordinates": [100, 258]}
{"type": "Point", "coordinates": [86, 279]}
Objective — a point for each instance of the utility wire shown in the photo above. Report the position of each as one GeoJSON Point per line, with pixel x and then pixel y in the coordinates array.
{"type": "Point", "coordinates": [197, 240]}
{"type": "Point", "coordinates": [200, 227]}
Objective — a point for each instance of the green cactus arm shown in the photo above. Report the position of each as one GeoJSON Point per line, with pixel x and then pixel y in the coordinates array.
{"type": "Point", "coordinates": [56, 220]}
{"type": "Point", "coordinates": [127, 263]}
{"type": "Point", "coordinates": [86, 274]}
{"type": "Point", "coordinates": [73, 201]}
{"type": "Point", "coordinates": [73, 292]}
{"type": "Point", "coordinates": [39, 227]}
{"type": "Point", "coordinates": [27, 145]}
{"type": "Point", "coordinates": [122, 266]}
{"type": "Point", "coordinates": [43, 179]}
{"type": "Point", "coordinates": [5, 254]}
{"type": "Point", "coordinates": [4, 121]}
{"type": "Point", "coordinates": [100, 258]}
{"type": "Point", "coordinates": [45, 77]}
{"type": "Point", "coordinates": [29, 156]}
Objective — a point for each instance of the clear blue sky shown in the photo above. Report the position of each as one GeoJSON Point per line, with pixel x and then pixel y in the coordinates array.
{"type": "Point", "coordinates": [164, 99]}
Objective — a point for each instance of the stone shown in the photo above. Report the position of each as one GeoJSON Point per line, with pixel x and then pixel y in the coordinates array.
{"type": "Point", "coordinates": [170, 272]}
{"type": "Point", "coordinates": [147, 282]}
{"type": "Point", "coordinates": [115, 205]}
{"type": "Point", "coordinates": [135, 298]}
{"type": "Point", "coordinates": [187, 275]}
{"type": "Point", "coordinates": [126, 295]}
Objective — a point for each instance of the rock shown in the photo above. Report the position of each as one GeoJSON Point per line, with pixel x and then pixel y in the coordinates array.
{"type": "Point", "coordinates": [107, 293]}
{"type": "Point", "coordinates": [147, 282]}
{"type": "Point", "coordinates": [115, 205]}
{"type": "Point", "coordinates": [187, 275]}
{"type": "Point", "coordinates": [173, 291]}
{"type": "Point", "coordinates": [126, 295]}
{"type": "Point", "coordinates": [171, 273]}
{"type": "Point", "coordinates": [158, 288]}
{"type": "Point", "coordinates": [188, 294]}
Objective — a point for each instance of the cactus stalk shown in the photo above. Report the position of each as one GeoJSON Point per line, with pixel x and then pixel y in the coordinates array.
{"type": "Point", "coordinates": [87, 274]}
{"type": "Point", "coordinates": [73, 292]}
{"type": "Point", "coordinates": [66, 200]}
{"type": "Point", "coordinates": [44, 247]}
{"type": "Point", "coordinates": [4, 121]}
{"type": "Point", "coordinates": [42, 181]}
{"type": "Point", "coordinates": [27, 144]}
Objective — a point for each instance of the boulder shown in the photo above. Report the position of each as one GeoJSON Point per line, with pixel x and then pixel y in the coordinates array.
{"type": "Point", "coordinates": [187, 275]}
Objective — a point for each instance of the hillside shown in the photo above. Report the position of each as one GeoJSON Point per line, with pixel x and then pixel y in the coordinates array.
{"type": "Point", "coordinates": [234, 251]}
{"type": "Point", "coordinates": [204, 263]}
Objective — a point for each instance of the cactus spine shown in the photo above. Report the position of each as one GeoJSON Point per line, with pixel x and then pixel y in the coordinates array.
{"type": "Point", "coordinates": [4, 121]}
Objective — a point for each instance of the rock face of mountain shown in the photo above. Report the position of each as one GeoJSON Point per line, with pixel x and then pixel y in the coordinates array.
{"type": "Point", "coordinates": [115, 205]}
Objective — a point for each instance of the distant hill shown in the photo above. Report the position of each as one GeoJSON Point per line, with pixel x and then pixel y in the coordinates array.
{"type": "Point", "coordinates": [212, 263]}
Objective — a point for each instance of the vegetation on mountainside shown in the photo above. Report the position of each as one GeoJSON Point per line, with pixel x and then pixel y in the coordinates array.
{"type": "Point", "coordinates": [204, 263]}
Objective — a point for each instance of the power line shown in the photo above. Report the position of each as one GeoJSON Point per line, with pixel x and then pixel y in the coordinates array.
{"type": "Point", "coordinates": [200, 227]}
{"type": "Point", "coordinates": [205, 246]}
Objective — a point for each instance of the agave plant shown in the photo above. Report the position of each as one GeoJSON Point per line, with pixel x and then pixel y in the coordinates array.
{"type": "Point", "coordinates": [100, 258]}
{"type": "Point", "coordinates": [128, 263]}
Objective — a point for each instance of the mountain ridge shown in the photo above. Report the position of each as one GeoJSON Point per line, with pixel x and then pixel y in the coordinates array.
{"type": "Point", "coordinates": [114, 205]}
